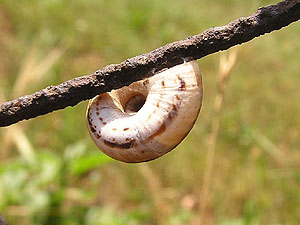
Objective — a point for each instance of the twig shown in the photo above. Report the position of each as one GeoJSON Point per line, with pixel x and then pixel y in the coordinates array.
{"type": "Point", "coordinates": [114, 76]}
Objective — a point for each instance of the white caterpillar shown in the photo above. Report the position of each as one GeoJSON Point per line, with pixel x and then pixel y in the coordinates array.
{"type": "Point", "coordinates": [149, 118]}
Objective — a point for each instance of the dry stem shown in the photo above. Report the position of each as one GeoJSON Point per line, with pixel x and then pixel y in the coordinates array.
{"type": "Point", "coordinates": [225, 67]}
{"type": "Point", "coordinates": [70, 93]}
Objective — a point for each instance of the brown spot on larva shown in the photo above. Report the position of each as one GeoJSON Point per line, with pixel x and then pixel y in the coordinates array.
{"type": "Point", "coordinates": [114, 129]}
{"type": "Point", "coordinates": [92, 129]}
{"type": "Point", "coordinates": [97, 108]}
{"type": "Point", "coordinates": [113, 139]}
{"type": "Point", "coordinates": [98, 100]}
{"type": "Point", "coordinates": [182, 84]}
{"type": "Point", "coordinates": [150, 115]}
{"type": "Point", "coordinates": [127, 128]}
{"type": "Point", "coordinates": [160, 130]}
{"type": "Point", "coordinates": [98, 136]}
{"type": "Point", "coordinates": [173, 113]}
{"type": "Point", "coordinates": [104, 107]}
{"type": "Point", "coordinates": [177, 97]}
{"type": "Point", "coordinates": [142, 151]}
{"type": "Point", "coordinates": [90, 124]}
{"type": "Point", "coordinates": [126, 145]}
{"type": "Point", "coordinates": [157, 104]}
{"type": "Point", "coordinates": [97, 113]}
{"type": "Point", "coordinates": [163, 83]}
{"type": "Point", "coordinates": [101, 119]}
{"type": "Point", "coordinates": [146, 82]}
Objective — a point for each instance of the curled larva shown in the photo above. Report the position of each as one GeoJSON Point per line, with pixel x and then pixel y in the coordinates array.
{"type": "Point", "coordinates": [148, 118]}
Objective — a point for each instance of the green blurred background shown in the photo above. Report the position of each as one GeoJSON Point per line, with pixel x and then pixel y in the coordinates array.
{"type": "Point", "coordinates": [52, 173]}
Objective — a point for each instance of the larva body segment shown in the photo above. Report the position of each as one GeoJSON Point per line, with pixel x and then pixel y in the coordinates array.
{"type": "Point", "coordinates": [149, 118]}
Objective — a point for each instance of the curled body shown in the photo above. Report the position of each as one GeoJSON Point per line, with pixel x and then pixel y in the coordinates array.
{"type": "Point", "coordinates": [148, 118]}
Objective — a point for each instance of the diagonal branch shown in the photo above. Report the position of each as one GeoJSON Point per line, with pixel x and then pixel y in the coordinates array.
{"type": "Point", "coordinates": [70, 93]}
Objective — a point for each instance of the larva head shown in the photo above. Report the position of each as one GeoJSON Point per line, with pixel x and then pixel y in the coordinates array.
{"type": "Point", "coordinates": [149, 118]}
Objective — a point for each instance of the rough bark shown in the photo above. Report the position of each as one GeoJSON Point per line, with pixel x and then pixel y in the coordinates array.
{"type": "Point", "coordinates": [70, 93]}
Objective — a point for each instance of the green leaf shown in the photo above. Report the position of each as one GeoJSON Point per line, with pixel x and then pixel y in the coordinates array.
{"type": "Point", "coordinates": [88, 162]}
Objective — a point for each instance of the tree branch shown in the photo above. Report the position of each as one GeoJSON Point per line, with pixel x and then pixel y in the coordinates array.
{"type": "Point", "coordinates": [114, 76]}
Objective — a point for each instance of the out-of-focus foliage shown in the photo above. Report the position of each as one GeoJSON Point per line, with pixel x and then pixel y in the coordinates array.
{"type": "Point", "coordinates": [52, 173]}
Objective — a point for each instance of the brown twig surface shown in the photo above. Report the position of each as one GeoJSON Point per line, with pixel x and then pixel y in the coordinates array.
{"type": "Point", "coordinates": [114, 76]}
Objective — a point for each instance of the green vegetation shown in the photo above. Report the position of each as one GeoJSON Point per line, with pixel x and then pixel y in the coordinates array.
{"type": "Point", "coordinates": [52, 173]}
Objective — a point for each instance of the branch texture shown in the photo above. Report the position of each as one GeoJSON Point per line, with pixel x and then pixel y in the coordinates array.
{"type": "Point", "coordinates": [114, 76]}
